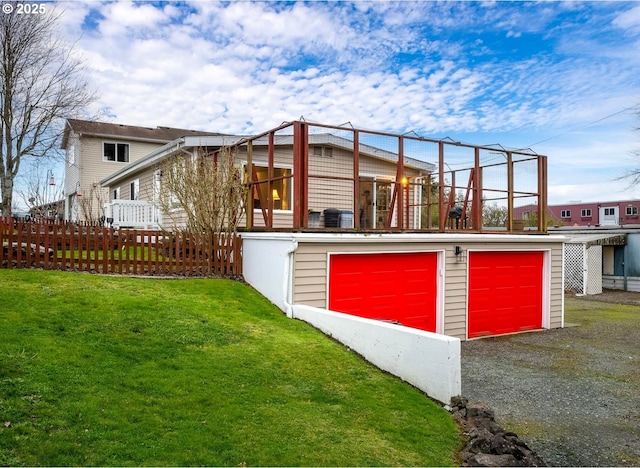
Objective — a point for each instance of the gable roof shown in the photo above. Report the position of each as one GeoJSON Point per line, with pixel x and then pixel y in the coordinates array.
{"type": "Point", "coordinates": [129, 132]}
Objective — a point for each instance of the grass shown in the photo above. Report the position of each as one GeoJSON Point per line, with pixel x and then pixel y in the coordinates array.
{"type": "Point", "coordinates": [588, 312]}
{"type": "Point", "coordinates": [139, 253]}
{"type": "Point", "coordinates": [99, 370]}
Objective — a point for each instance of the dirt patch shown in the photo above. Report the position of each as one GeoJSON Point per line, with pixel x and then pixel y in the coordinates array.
{"type": "Point", "coordinates": [572, 394]}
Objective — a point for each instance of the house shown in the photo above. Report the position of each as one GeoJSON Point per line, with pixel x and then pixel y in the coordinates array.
{"type": "Point", "coordinates": [401, 238]}
{"type": "Point", "coordinates": [613, 213]}
{"type": "Point", "coordinates": [352, 178]}
{"type": "Point", "coordinates": [53, 210]}
{"type": "Point", "coordinates": [329, 192]}
{"type": "Point", "coordinates": [95, 150]}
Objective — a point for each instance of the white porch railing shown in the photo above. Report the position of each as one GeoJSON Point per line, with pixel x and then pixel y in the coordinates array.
{"type": "Point", "coordinates": [133, 214]}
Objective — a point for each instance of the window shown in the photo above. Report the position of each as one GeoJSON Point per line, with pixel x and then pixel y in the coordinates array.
{"type": "Point", "coordinates": [135, 189]}
{"type": "Point", "coordinates": [157, 185]}
{"type": "Point", "coordinates": [586, 213]}
{"type": "Point", "coordinates": [71, 154]}
{"type": "Point", "coordinates": [525, 215]}
{"type": "Point", "coordinates": [280, 192]}
{"type": "Point", "coordinates": [565, 214]}
{"type": "Point", "coordinates": [116, 193]}
{"type": "Point", "coordinates": [323, 151]}
{"type": "Point", "coordinates": [632, 210]}
{"type": "Point", "coordinates": [118, 152]}
{"type": "Point", "coordinates": [609, 211]}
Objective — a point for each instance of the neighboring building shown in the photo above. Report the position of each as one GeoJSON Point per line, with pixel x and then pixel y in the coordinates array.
{"type": "Point", "coordinates": [601, 257]}
{"type": "Point", "coordinates": [52, 211]}
{"type": "Point", "coordinates": [95, 150]}
{"type": "Point", "coordinates": [614, 213]}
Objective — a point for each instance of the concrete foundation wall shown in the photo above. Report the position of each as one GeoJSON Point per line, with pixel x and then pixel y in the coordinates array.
{"type": "Point", "coordinates": [266, 267]}
{"type": "Point", "coordinates": [428, 361]}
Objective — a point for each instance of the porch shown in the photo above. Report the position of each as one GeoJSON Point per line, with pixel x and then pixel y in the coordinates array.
{"type": "Point", "coordinates": [133, 214]}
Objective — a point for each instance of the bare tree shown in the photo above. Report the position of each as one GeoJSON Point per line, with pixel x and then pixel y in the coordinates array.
{"type": "Point", "coordinates": [40, 86]}
{"type": "Point", "coordinates": [205, 192]}
{"type": "Point", "coordinates": [91, 204]}
{"type": "Point", "coordinates": [40, 192]}
{"type": "Point", "coordinates": [633, 175]}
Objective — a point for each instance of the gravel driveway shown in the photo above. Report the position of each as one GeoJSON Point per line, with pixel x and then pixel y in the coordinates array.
{"type": "Point", "coordinates": [572, 394]}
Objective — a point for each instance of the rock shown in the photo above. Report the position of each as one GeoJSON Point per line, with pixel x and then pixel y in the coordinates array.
{"type": "Point", "coordinates": [488, 444]}
{"type": "Point", "coordinates": [486, 459]}
{"type": "Point", "coordinates": [479, 441]}
{"type": "Point", "coordinates": [500, 446]}
{"type": "Point", "coordinates": [480, 410]}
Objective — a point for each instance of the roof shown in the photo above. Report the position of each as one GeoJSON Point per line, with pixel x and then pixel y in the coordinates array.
{"type": "Point", "coordinates": [129, 132]}
{"type": "Point", "coordinates": [596, 239]}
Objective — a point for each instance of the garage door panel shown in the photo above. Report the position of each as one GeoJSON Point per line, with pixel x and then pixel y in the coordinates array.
{"type": "Point", "coordinates": [505, 292]}
{"type": "Point", "coordinates": [395, 287]}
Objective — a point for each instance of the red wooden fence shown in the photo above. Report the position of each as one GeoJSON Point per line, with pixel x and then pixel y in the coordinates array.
{"type": "Point", "coordinates": [99, 249]}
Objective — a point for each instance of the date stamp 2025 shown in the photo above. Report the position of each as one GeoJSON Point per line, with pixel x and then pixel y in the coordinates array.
{"type": "Point", "coordinates": [24, 8]}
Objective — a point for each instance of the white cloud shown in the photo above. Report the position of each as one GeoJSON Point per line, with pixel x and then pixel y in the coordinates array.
{"type": "Point", "coordinates": [629, 19]}
{"type": "Point", "coordinates": [434, 67]}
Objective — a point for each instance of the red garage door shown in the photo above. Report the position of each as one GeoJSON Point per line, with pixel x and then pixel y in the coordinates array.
{"type": "Point", "coordinates": [399, 287]}
{"type": "Point", "coordinates": [505, 292]}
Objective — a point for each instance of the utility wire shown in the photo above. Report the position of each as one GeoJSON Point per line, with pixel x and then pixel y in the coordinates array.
{"type": "Point", "coordinates": [585, 125]}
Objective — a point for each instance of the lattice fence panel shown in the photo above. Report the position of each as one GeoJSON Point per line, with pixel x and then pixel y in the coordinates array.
{"type": "Point", "coordinates": [574, 268]}
{"type": "Point", "coordinates": [594, 270]}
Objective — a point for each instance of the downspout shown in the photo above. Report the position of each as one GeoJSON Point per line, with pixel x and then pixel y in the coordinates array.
{"type": "Point", "coordinates": [287, 283]}
{"type": "Point", "coordinates": [624, 267]}
{"type": "Point", "coordinates": [564, 261]}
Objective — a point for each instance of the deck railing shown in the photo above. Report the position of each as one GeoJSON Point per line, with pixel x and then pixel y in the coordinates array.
{"type": "Point", "coordinates": [139, 214]}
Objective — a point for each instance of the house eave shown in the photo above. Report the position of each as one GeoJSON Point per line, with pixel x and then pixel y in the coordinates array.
{"type": "Point", "coordinates": [400, 237]}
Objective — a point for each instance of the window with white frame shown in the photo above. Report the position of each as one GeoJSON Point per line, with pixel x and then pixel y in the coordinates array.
{"type": "Point", "coordinates": [585, 213]}
{"type": "Point", "coordinates": [609, 211]}
{"type": "Point", "coordinates": [157, 185]}
{"type": "Point", "coordinates": [565, 214]}
{"type": "Point", "coordinates": [280, 188]}
{"type": "Point", "coordinates": [71, 154]}
{"type": "Point", "coordinates": [116, 193]}
{"type": "Point", "coordinates": [116, 152]}
{"type": "Point", "coordinates": [134, 189]}
{"type": "Point", "coordinates": [632, 210]}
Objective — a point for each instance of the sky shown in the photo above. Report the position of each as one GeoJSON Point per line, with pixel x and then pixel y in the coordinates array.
{"type": "Point", "coordinates": [560, 78]}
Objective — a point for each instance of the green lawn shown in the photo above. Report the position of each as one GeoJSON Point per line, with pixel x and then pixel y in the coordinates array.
{"type": "Point", "coordinates": [98, 370]}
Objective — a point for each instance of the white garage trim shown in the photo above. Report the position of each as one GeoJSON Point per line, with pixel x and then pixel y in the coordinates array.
{"type": "Point", "coordinates": [440, 276]}
{"type": "Point", "coordinates": [546, 285]}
